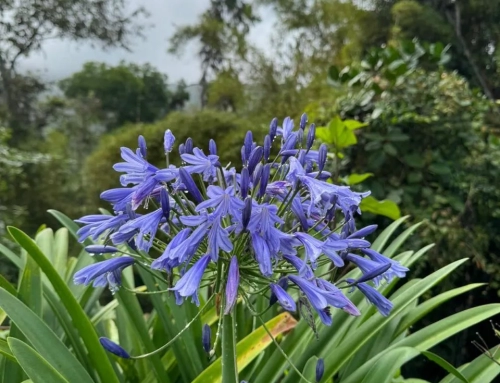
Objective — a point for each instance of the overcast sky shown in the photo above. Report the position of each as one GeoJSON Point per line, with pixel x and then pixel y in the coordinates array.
{"type": "Point", "coordinates": [59, 58]}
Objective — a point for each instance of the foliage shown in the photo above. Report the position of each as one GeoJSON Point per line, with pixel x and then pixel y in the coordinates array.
{"type": "Point", "coordinates": [221, 32]}
{"type": "Point", "coordinates": [126, 92]}
{"type": "Point", "coordinates": [24, 26]}
{"type": "Point", "coordinates": [54, 317]}
{"type": "Point", "coordinates": [200, 126]}
{"type": "Point", "coordinates": [341, 135]}
{"type": "Point", "coordinates": [429, 128]}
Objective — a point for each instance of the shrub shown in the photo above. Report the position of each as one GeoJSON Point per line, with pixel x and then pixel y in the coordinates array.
{"type": "Point", "coordinates": [225, 128]}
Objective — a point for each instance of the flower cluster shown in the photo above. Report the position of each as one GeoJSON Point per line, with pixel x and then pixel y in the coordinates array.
{"type": "Point", "coordinates": [269, 226]}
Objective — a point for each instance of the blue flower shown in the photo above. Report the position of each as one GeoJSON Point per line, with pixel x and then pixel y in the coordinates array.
{"type": "Point", "coordinates": [396, 269]}
{"type": "Point", "coordinates": [315, 296]}
{"type": "Point", "coordinates": [312, 247]}
{"type": "Point", "coordinates": [98, 224]}
{"type": "Point", "coordinates": [304, 270]}
{"type": "Point", "coordinates": [368, 266]}
{"type": "Point", "coordinates": [233, 282]}
{"type": "Point", "coordinates": [137, 169]}
{"type": "Point", "coordinates": [222, 201]}
{"type": "Point", "coordinates": [145, 225]}
{"type": "Point", "coordinates": [118, 197]}
{"type": "Point", "coordinates": [201, 164]}
{"type": "Point", "coordinates": [218, 239]}
{"type": "Point", "coordinates": [103, 273]}
{"type": "Point", "coordinates": [170, 258]}
{"type": "Point", "coordinates": [283, 298]}
{"type": "Point", "coordinates": [189, 283]}
{"type": "Point", "coordinates": [382, 304]}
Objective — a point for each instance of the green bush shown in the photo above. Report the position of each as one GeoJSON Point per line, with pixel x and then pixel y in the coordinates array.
{"type": "Point", "coordinates": [225, 128]}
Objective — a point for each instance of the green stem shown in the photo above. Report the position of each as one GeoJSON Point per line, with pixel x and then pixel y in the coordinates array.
{"type": "Point", "coordinates": [229, 368]}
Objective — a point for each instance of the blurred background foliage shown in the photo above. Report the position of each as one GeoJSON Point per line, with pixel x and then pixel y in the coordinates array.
{"type": "Point", "coordinates": [422, 77]}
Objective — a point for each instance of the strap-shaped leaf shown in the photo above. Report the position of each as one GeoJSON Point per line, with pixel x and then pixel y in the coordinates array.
{"type": "Point", "coordinates": [36, 367]}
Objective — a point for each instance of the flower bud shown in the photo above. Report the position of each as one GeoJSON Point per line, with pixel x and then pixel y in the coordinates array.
{"type": "Point", "coordinates": [247, 143]}
{"type": "Point", "coordinates": [100, 249]}
{"type": "Point", "coordinates": [257, 173]}
{"type": "Point", "coordinates": [168, 141]}
{"type": "Point", "coordinates": [165, 202]}
{"type": "Point", "coordinates": [323, 151]}
{"type": "Point", "coordinates": [189, 146]}
{"type": "Point", "coordinates": [142, 146]}
{"type": "Point", "coordinates": [279, 294]}
{"type": "Point", "coordinates": [190, 185]}
{"type": "Point", "coordinates": [206, 336]}
{"type": "Point", "coordinates": [300, 137]}
{"type": "Point", "coordinates": [255, 158]}
{"type": "Point", "coordinates": [320, 369]}
{"type": "Point", "coordinates": [267, 147]}
{"type": "Point", "coordinates": [212, 147]}
{"type": "Point", "coordinates": [264, 179]}
{"type": "Point", "coordinates": [113, 348]}
{"type": "Point", "coordinates": [273, 128]}
{"type": "Point", "coordinates": [244, 182]}
{"type": "Point", "coordinates": [246, 213]}
{"type": "Point", "coordinates": [311, 136]}
{"type": "Point", "coordinates": [303, 121]}
{"type": "Point", "coordinates": [361, 233]}
{"type": "Point", "coordinates": [233, 282]}
{"type": "Point", "coordinates": [244, 158]}
{"type": "Point", "coordinates": [182, 149]}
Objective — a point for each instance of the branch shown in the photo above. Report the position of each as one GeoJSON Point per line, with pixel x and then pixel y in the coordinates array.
{"type": "Point", "coordinates": [458, 32]}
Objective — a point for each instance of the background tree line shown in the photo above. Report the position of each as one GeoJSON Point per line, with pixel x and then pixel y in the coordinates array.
{"type": "Point", "coordinates": [423, 76]}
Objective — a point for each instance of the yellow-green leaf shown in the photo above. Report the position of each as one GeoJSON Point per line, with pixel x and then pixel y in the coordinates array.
{"type": "Point", "coordinates": [250, 347]}
{"type": "Point", "coordinates": [385, 207]}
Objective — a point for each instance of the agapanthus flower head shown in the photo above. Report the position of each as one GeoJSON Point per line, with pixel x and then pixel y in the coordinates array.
{"type": "Point", "coordinates": [265, 228]}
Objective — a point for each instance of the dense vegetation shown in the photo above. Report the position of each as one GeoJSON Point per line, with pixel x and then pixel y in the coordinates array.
{"type": "Point", "coordinates": [422, 75]}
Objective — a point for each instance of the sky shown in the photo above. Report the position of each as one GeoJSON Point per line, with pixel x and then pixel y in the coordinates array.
{"type": "Point", "coordinates": [60, 58]}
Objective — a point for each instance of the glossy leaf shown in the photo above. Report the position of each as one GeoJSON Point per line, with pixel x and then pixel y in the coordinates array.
{"type": "Point", "coordinates": [43, 339]}
{"type": "Point", "coordinates": [36, 367]}
{"type": "Point", "coordinates": [80, 320]}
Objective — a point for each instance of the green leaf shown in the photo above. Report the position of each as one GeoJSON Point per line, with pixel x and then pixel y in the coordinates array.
{"type": "Point", "coordinates": [250, 347]}
{"type": "Point", "coordinates": [43, 339]}
{"type": "Point", "coordinates": [354, 178]}
{"type": "Point", "coordinates": [480, 370]}
{"type": "Point", "coordinates": [386, 207]}
{"type": "Point", "coordinates": [426, 307]}
{"type": "Point", "coordinates": [36, 367]}
{"type": "Point", "coordinates": [445, 365]}
{"type": "Point", "coordinates": [5, 350]}
{"type": "Point", "coordinates": [390, 149]}
{"type": "Point", "coordinates": [80, 320]}
{"type": "Point", "coordinates": [346, 349]}
{"type": "Point", "coordinates": [337, 134]}
{"type": "Point", "coordinates": [435, 333]}
{"type": "Point", "coordinates": [379, 243]}
{"type": "Point", "coordinates": [389, 364]}
{"type": "Point", "coordinates": [354, 124]}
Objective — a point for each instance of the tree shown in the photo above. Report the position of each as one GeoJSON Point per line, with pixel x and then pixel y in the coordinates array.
{"type": "Point", "coordinates": [126, 92]}
{"type": "Point", "coordinates": [221, 32]}
{"type": "Point", "coordinates": [26, 24]}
